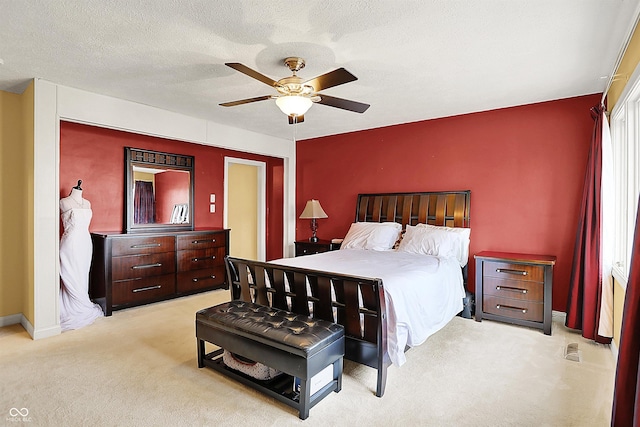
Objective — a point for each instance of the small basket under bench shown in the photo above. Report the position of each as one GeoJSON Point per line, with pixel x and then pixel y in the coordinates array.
{"type": "Point", "coordinates": [299, 346]}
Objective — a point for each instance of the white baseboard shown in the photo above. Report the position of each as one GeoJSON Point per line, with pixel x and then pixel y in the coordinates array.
{"type": "Point", "coordinates": [42, 333]}
{"type": "Point", "coordinates": [614, 351]}
{"type": "Point", "coordinates": [11, 320]}
{"type": "Point", "coordinates": [20, 319]}
{"type": "Point", "coordinates": [27, 326]}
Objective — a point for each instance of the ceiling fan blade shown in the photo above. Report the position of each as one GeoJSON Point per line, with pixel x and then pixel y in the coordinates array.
{"type": "Point", "coordinates": [251, 73]}
{"type": "Point", "coordinates": [331, 79]}
{"type": "Point", "coordinates": [245, 101]}
{"type": "Point", "coordinates": [296, 119]}
{"type": "Point", "coordinates": [345, 104]}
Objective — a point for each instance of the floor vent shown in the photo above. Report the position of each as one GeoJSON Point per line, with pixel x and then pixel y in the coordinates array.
{"type": "Point", "coordinates": [572, 353]}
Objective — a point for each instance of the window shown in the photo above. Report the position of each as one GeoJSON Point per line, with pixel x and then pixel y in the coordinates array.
{"type": "Point", "coordinates": [625, 135]}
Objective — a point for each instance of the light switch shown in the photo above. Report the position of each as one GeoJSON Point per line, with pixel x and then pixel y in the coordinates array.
{"type": "Point", "coordinates": [212, 198]}
{"type": "Point", "coordinates": [212, 208]}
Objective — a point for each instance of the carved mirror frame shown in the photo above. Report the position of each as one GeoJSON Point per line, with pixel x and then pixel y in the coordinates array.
{"type": "Point", "coordinates": [155, 160]}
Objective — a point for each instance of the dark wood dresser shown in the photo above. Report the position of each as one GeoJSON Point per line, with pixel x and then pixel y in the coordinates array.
{"type": "Point", "coordinates": [134, 269]}
{"type": "Point", "coordinates": [515, 288]}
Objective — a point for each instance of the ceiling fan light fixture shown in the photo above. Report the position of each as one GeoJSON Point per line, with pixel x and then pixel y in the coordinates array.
{"type": "Point", "coordinates": [293, 104]}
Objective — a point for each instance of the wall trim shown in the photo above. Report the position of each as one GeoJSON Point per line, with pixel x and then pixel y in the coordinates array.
{"type": "Point", "coordinates": [46, 198]}
{"type": "Point", "coordinates": [11, 320]}
{"type": "Point", "coordinates": [614, 351]}
{"type": "Point", "coordinates": [619, 277]}
{"type": "Point", "coordinates": [262, 200]}
{"type": "Point", "coordinates": [20, 319]}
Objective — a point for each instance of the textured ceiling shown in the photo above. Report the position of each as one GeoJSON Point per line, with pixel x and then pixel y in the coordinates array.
{"type": "Point", "coordinates": [414, 60]}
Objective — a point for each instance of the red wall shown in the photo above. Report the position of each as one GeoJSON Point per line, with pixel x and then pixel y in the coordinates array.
{"type": "Point", "coordinates": [96, 155]}
{"type": "Point", "coordinates": [524, 166]}
{"type": "Point", "coordinates": [172, 188]}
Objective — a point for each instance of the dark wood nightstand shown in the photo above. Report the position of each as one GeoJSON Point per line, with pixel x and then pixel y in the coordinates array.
{"type": "Point", "coordinates": [515, 288]}
{"type": "Point", "coordinates": [305, 247]}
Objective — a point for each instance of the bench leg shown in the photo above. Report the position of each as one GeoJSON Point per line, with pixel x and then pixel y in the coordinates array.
{"type": "Point", "coordinates": [337, 367]}
{"type": "Point", "coordinates": [305, 391]}
{"type": "Point", "coordinates": [200, 353]}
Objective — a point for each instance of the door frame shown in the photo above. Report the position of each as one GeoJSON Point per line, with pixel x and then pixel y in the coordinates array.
{"type": "Point", "coordinates": [262, 200]}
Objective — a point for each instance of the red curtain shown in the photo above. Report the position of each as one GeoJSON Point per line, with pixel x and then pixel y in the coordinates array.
{"type": "Point", "coordinates": [144, 211]}
{"type": "Point", "coordinates": [626, 398]}
{"type": "Point", "coordinates": [585, 286]}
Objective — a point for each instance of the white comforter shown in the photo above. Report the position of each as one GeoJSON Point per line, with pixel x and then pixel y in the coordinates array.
{"type": "Point", "coordinates": [423, 293]}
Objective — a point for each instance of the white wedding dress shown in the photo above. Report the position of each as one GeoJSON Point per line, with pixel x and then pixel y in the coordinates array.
{"type": "Point", "coordinates": [76, 309]}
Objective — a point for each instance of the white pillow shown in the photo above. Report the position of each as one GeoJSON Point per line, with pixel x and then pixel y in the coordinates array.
{"type": "Point", "coordinates": [438, 241]}
{"type": "Point", "coordinates": [462, 233]}
{"type": "Point", "coordinates": [377, 236]}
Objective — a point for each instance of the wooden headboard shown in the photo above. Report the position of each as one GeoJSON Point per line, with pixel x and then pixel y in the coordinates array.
{"type": "Point", "coordinates": [444, 208]}
{"type": "Point", "coordinates": [448, 208]}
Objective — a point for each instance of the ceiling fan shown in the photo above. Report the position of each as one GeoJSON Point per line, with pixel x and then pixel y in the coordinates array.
{"type": "Point", "coordinates": [296, 96]}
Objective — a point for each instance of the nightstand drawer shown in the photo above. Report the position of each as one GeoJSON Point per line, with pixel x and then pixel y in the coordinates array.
{"type": "Point", "coordinates": [513, 308]}
{"type": "Point", "coordinates": [520, 290]}
{"type": "Point", "coordinates": [310, 248]}
{"type": "Point", "coordinates": [513, 271]}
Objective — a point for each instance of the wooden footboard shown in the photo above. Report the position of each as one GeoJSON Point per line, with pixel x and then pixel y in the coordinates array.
{"type": "Point", "coordinates": [356, 303]}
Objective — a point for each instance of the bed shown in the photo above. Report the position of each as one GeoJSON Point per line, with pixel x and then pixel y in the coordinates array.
{"type": "Point", "coordinates": [387, 299]}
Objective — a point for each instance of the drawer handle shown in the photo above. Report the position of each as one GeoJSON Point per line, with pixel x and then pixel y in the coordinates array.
{"type": "Point", "coordinates": [195, 242]}
{"type": "Point", "coordinates": [146, 245]}
{"type": "Point", "coordinates": [510, 289]}
{"type": "Point", "coordinates": [195, 279]}
{"type": "Point", "coordinates": [202, 259]}
{"type": "Point", "coordinates": [508, 307]}
{"type": "Point", "coordinates": [510, 271]}
{"type": "Point", "coordinates": [138, 267]}
{"type": "Point", "coordinates": [148, 288]}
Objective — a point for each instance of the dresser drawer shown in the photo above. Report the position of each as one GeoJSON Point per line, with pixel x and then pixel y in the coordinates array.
{"type": "Point", "coordinates": [514, 289]}
{"type": "Point", "coordinates": [142, 245]}
{"type": "Point", "coordinates": [200, 259]}
{"type": "Point", "coordinates": [513, 308]}
{"type": "Point", "coordinates": [199, 279]}
{"type": "Point", "coordinates": [142, 288]}
{"type": "Point", "coordinates": [201, 241]}
{"type": "Point", "coordinates": [513, 271]}
{"type": "Point", "coordinates": [128, 267]}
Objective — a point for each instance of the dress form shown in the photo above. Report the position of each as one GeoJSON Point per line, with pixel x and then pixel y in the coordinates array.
{"type": "Point", "coordinates": [76, 309]}
{"type": "Point", "coordinates": [74, 200]}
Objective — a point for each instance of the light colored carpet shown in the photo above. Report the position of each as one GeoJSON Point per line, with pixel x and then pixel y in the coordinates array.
{"type": "Point", "coordinates": [139, 368]}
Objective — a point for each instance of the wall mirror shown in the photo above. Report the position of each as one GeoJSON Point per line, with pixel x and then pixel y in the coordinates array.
{"type": "Point", "coordinates": [158, 191]}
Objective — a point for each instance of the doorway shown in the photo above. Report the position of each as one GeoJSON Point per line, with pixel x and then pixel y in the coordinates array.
{"type": "Point", "coordinates": [245, 207]}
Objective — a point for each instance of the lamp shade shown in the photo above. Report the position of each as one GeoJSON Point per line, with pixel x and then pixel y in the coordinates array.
{"type": "Point", "coordinates": [313, 210]}
{"type": "Point", "coordinates": [294, 105]}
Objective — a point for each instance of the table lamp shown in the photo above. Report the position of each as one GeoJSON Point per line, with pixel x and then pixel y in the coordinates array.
{"type": "Point", "coordinates": [313, 211]}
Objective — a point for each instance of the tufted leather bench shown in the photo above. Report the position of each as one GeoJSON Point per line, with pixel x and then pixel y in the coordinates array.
{"type": "Point", "coordinates": [294, 344]}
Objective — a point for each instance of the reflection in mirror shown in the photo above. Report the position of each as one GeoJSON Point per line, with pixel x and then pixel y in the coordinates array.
{"type": "Point", "coordinates": [159, 191]}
